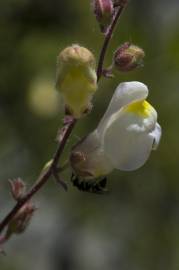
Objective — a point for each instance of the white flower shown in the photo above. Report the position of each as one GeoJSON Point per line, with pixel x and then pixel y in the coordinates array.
{"type": "Point", "coordinates": [124, 137]}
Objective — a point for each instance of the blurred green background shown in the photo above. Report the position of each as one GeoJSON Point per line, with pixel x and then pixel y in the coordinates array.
{"type": "Point", "coordinates": [136, 225]}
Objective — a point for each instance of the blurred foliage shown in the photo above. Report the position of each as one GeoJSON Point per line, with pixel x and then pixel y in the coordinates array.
{"type": "Point", "coordinates": [136, 225]}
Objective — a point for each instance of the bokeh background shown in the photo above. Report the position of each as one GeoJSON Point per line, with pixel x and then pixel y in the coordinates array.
{"type": "Point", "coordinates": [136, 225]}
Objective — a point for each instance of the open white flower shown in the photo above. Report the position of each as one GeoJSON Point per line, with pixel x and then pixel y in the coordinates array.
{"type": "Point", "coordinates": [124, 137]}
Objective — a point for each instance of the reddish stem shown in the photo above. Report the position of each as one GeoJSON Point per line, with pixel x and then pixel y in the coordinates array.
{"type": "Point", "coordinates": [107, 39]}
{"type": "Point", "coordinates": [52, 168]}
{"type": "Point", "coordinates": [42, 180]}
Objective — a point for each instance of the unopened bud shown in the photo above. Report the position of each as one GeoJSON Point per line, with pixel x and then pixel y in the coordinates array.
{"type": "Point", "coordinates": [104, 11]}
{"type": "Point", "coordinates": [76, 79]}
{"type": "Point", "coordinates": [21, 220]}
{"type": "Point", "coordinates": [18, 188]}
{"type": "Point", "coordinates": [128, 57]}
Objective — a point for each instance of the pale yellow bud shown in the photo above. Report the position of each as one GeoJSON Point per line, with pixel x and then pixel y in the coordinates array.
{"type": "Point", "coordinates": [76, 79]}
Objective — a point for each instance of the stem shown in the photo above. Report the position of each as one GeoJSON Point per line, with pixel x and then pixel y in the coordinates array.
{"type": "Point", "coordinates": [52, 169]}
{"type": "Point", "coordinates": [107, 39]}
{"type": "Point", "coordinates": [43, 178]}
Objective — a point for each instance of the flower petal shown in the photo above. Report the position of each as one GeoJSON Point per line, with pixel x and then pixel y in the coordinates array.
{"type": "Point", "coordinates": [88, 158]}
{"type": "Point", "coordinates": [156, 134]}
{"type": "Point", "coordinates": [128, 139]}
{"type": "Point", "coordinates": [125, 94]}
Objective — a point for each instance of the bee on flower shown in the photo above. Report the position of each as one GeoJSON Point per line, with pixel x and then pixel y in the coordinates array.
{"type": "Point", "coordinates": [123, 139]}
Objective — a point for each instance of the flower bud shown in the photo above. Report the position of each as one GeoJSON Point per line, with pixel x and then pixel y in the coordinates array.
{"type": "Point", "coordinates": [20, 221]}
{"type": "Point", "coordinates": [18, 188]}
{"type": "Point", "coordinates": [128, 57]}
{"type": "Point", "coordinates": [76, 79]}
{"type": "Point", "coordinates": [104, 11]}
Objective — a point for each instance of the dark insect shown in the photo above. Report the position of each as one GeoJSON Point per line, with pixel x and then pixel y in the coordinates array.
{"type": "Point", "coordinates": [98, 187]}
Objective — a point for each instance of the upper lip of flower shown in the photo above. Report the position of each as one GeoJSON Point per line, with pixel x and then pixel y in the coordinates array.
{"type": "Point", "coordinates": [128, 134]}
{"type": "Point", "coordinates": [126, 93]}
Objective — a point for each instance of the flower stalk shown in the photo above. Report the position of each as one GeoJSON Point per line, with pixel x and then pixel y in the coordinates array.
{"type": "Point", "coordinates": [107, 39]}
{"type": "Point", "coordinates": [52, 169]}
{"type": "Point", "coordinates": [43, 178]}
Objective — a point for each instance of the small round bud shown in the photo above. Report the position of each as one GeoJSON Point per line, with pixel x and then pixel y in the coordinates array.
{"type": "Point", "coordinates": [128, 57]}
{"type": "Point", "coordinates": [20, 221]}
{"type": "Point", "coordinates": [104, 11]}
{"type": "Point", "coordinates": [76, 79]}
{"type": "Point", "coordinates": [18, 188]}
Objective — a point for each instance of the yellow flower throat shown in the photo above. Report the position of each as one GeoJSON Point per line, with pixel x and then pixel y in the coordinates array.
{"type": "Point", "coordinates": [141, 108]}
